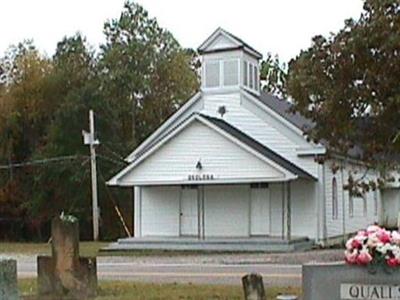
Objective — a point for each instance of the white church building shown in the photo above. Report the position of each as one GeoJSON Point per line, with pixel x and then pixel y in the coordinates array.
{"type": "Point", "coordinates": [232, 167]}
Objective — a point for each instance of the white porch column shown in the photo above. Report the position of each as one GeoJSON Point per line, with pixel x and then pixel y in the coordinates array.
{"type": "Point", "coordinates": [202, 233]}
{"type": "Point", "coordinates": [286, 210]}
{"type": "Point", "coordinates": [288, 213]}
{"type": "Point", "coordinates": [324, 227]}
{"type": "Point", "coordinates": [138, 212]}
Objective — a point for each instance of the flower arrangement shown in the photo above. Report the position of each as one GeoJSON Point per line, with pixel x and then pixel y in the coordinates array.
{"type": "Point", "coordinates": [68, 218]}
{"type": "Point", "coordinates": [374, 246]}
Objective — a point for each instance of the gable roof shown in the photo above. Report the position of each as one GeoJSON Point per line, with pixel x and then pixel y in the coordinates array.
{"type": "Point", "coordinates": [229, 131]}
{"type": "Point", "coordinates": [278, 106]}
{"type": "Point", "coordinates": [260, 148]}
{"type": "Point", "coordinates": [240, 44]}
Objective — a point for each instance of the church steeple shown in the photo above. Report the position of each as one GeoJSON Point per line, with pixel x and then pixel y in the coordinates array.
{"type": "Point", "coordinates": [228, 63]}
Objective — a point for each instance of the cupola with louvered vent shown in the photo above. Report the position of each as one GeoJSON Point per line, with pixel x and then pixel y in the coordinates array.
{"type": "Point", "coordinates": [229, 63]}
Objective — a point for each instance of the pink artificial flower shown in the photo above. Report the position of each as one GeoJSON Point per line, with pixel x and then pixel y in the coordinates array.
{"type": "Point", "coordinates": [351, 256]}
{"type": "Point", "coordinates": [361, 237]}
{"type": "Point", "coordinates": [364, 258]}
{"type": "Point", "coordinates": [362, 233]}
{"type": "Point", "coordinates": [349, 244]}
{"type": "Point", "coordinates": [384, 236]}
{"type": "Point", "coordinates": [361, 248]}
{"type": "Point", "coordinates": [373, 228]}
{"type": "Point", "coordinates": [396, 237]}
{"type": "Point", "coordinates": [392, 262]}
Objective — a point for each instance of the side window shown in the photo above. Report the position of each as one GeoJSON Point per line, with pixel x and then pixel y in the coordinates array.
{"type": "Point", "coordinates": [231, 72]}
{"type": "Point", "coordinates": [245, 73]}
{"type": "Point", "coordinates": [335, 208]}
{"type": "Point", "coordinates": [351, 206]}
{"type": "Point", "coordinates": [375, 202]}
{"type": "Point", "coordinates": [255, 78]}
{"type": "Point", "coordinates": [212, 74]}
{"type": "Point", "coordinates": [365, 205]}
{"type": "Point", "coordinates": [251, 85]}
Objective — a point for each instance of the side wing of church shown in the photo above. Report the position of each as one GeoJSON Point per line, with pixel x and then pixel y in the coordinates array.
{"type": "Point", "coordinates": [233, 163]}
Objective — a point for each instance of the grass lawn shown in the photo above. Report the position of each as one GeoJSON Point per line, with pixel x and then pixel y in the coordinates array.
{"type": "Point", "coordinates": [123, 290]}
{"type": "Point", "coordinates": [85, 248]}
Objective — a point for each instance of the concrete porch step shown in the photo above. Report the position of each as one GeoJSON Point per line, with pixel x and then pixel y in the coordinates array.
{"type": "Point", "coordinates": [219, 245]}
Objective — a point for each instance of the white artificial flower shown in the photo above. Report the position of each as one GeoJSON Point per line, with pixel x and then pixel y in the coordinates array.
{"type": "Point", "coordinates": [395, 250]}
{"type": "Point", "coordinates": [383, 248]}
{"type": "Point", "coordinates": [373, 241]}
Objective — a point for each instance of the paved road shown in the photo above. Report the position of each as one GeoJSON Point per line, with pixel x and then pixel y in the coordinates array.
{"type": "Point", "coordinates": [273, 274]}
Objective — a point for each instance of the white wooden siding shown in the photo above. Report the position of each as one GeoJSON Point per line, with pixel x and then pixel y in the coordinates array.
{"type": "Point", "coordinates": [260, 211]}
{"type": "Point", "coordinates": [345, 223]}
{"type": "Point", "coordinates": [160, 211]}
{"type": "Point", "coordinates": [303, 212]}
{"type": "Point", "coordinates": [221, 42]}
{"type": "Point", "coordinates": [276, 209]}
{"type": "Point", "coordinates": [273, 135]}
{"type": "Point", "coordinates": [176, 159]}
{"type": "Point", "coordinates": [226, 211]}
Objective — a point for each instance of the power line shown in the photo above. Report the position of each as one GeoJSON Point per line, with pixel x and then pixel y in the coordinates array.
{"type": "Point", "coordinates": [106, 158]}
{"type": "Point", "coordinates": [120, 157]}
{"type": "Point", "coordinates": [41, 161]}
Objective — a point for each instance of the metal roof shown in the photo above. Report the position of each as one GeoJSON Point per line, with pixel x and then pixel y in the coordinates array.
{"type": "Point", "coordinates": [282, 107]}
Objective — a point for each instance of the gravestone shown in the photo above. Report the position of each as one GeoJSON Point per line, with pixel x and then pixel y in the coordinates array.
{"type": "Point", "coordinates": [336, 281]}
{"type": "Point", "coordinates": [65, 275]}
{"type": "Point", "coordinates": [8, 279]}
{"type": "Point", "coordinates": [253, 287]}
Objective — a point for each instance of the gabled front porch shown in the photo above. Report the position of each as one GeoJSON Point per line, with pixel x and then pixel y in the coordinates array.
{"type": "Point", "coordinates": [245, 244]}
{"type": "Point", "coordinates": [227, 218]}
{"type": "Point", "coordinates": [208, 186]}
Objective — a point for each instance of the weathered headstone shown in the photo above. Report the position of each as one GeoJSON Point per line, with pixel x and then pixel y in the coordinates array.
{"type": "Point", "coordinates": [65, 274]}
{"type": "Point", "coordinates": [253, 287]}
{"type": "Point", "coordinates": [8, 279]}
{"type": "Point", "coordinates": [336, 281]}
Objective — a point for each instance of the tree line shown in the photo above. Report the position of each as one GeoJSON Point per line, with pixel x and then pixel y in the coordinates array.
{"type": "Point", "coordinates": [346, 83]}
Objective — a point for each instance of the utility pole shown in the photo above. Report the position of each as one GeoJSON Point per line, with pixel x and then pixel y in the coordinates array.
{"type": "Point", "coordinates": [89, 139]}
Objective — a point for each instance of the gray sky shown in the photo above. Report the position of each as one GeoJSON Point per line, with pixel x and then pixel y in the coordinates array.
{"type": "Point", "coordinates": [278, 26]}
